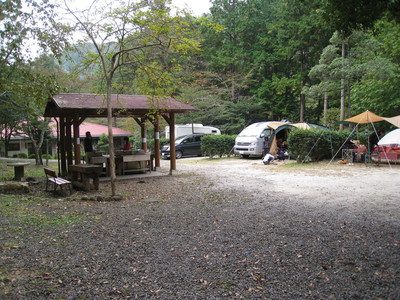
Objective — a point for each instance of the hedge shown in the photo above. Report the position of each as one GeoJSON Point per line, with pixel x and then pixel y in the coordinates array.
{"type": "Point", "coordinates": [137, 144]}
{"type": "Point", "coordinates": [318, 144]}
{"type": "Point", "coordinates": [22, 155]}
{"type": "Point", "coordinates": [219, 145]}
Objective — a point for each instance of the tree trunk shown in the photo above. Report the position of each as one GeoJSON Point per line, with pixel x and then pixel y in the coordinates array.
{"type": "Point", "coordinates": [47, 152]}
{"type": "Point", "coordinates": [349, 112]}
{"type": "Point", "coordinates": [302, 95]}
{"type": "Point", "coordinates": [325, 108]}
{"type": "Point", "coordinates": [342, 91]}
{"type": "Point", "coordinates": [110, 137]}
{"type": "Point", "coordinates": [6, 148]}
{"type": "Point", "coordinates": [302, 107]}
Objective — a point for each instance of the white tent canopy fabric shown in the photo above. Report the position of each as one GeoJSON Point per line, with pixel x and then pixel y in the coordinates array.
{"type": "Point", "coordinates": [391, 139]}
{"type": "Point", "coordinates": [394, 120]}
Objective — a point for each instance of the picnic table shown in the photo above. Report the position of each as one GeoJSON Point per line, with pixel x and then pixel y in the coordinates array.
{"type": "Point", "coordinates": [81, 174]}
{"type": "Point", "coordinates": [125, 163]}
{"type": "Point", "coordinates": [19, 169]}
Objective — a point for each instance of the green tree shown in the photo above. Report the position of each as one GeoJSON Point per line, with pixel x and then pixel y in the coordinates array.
{"type": "Point", "coordinates": [260, 51]}
{"type": "Point", "coordinates": [10, 121]}
{"type": "Point", "coordinates": [295, 38]}
{"type": "Point", "coordinates": [126, 36]}
{"type": "Point", "coordinates": [366, 75]}
{"type": "Point", "coordinates": [359, 14]}
{"type": "Point", "coordinates": [103, 144]}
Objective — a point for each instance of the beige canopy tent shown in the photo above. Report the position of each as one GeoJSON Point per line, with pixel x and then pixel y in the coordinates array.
{"type": "Point", "coordinates": [365, 118]}
{"type": "Point", "coordinates": [394, 120]}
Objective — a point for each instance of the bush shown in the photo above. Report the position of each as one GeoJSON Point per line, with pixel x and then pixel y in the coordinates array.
{"type": "Point", "coordinates": [102, 144]}
{"type": "Point", "coordinates": [46, 156]}
{"type": "Point", "coordinates": [31, 156]}
{"type": "Point", "coordinates": [318, 144]}
{"type": "Point", "coordinates": [217, 145]}
{"type": "Point", "coordinates": [22, 155]}
{"type": "Point", "coordinates": [150, 144]}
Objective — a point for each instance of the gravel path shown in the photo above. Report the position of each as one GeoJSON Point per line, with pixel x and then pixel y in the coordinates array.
{"type": "Point", "coordinates": [221, 229]}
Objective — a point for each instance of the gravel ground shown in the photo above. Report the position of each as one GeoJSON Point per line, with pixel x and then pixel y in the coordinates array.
{"type": "Point", "coordinates": [218, 229]}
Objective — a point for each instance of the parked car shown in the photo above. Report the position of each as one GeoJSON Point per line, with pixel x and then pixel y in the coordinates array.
{"type": "Point", "coordinates": [187, 145]}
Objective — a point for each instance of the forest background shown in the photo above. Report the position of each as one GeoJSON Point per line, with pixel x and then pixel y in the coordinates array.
{"type": "Point", "coordinates": [246, 61]}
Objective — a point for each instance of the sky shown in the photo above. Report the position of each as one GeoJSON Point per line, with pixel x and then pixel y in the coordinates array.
{"type": "Point", "coordinates": [197, 7]}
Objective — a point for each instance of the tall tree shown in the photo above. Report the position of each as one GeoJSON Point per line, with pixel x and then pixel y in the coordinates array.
{"type": "Point", "coordinates": [359, 14]}
{"type": "Point", "coordinates": [10, 121]}
{"type": "Point", "coordinates": [127, 35]}
{"type": "Point", "coordinates": [360, 74]}
{"type": "Point", "coordinates": [295, 37]}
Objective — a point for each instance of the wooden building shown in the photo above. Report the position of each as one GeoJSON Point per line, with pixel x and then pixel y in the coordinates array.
{"type": "Point", "coordinates": [70, 110]}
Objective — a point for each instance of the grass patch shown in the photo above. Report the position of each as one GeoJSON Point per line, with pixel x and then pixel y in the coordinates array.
{"type": "Point", "coordinates": [31, 170]}
{"type": "Point", "coordinates": [29, 211]}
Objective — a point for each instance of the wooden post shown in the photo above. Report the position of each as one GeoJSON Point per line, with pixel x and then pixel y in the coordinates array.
{"type": "Point", "coordinates": [68, 142]}
{"type": "Point", "coordinates": [157, 140]}
{"type": "Point", "coordinates": [77, 143]}
{"type": "Point", "coordinates": [62, 158]}
{"type": "Point", "coordinates": [142, 125]}
{"type": "Point", "coordinates": [172, 141]}
{"type": "Point", "coordinates": [143, 133]}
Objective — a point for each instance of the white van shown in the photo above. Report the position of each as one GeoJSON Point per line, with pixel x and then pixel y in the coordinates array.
{"type": "Point", "coordinates": [186, 129]}
{"type": "Point", "coordinates": [251, 140]}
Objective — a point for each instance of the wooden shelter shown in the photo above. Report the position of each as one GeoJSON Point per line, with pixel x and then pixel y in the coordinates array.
{"type": "Point", "coordinates": [72, 109]}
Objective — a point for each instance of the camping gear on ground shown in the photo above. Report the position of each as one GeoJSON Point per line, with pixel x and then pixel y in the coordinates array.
{"type": "Point", "coordinates": [268, 158]}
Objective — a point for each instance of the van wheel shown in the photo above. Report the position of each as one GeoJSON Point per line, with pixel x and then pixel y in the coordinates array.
{"type": "Point", "coordinates": [179, 154]}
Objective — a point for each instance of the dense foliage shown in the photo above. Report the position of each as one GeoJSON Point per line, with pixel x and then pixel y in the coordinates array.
{"type": "Point", "coordinates": [273, 60]}
{"type": "Point", "coordinates": [319, 144]}
{"type": "Point", "coordinates": [217, 145]}
{"type": "Point", "coordinates": [246, 61]}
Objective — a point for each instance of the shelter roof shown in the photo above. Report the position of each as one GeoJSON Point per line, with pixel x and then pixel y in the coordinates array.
{"type": "Point", "coordinates": [95, 130]}
{"type": "Point", "coordinates": [95, 105]}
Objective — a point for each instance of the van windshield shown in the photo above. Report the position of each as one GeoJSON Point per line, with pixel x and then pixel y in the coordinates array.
{"type": "Point", "coordinates": [251, 132]}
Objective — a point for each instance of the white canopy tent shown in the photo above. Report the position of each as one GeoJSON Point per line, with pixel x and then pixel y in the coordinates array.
{"type": "Point", "coordinates": [391, 139]}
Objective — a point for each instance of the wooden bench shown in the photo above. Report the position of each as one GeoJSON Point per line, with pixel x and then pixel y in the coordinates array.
{"type": "Point", "coordinates": [144, 160]}
{"type": "Point", "coordinates": [57, 181]}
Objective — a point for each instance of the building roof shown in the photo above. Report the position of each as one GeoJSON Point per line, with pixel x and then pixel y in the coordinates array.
{"type": "Point", "coordinates": [95, 130]}
{"type": "Point", "coordinates": [94, 105]}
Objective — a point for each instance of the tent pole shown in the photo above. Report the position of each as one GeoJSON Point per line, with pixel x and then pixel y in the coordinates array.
{"type": "Point", "coordinates": [343, 144]}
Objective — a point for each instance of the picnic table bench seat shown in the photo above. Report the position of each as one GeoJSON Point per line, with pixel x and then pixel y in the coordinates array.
{"type": "Point", "coordinates": [57, 181]}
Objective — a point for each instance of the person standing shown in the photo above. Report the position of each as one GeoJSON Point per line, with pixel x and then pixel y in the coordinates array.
{"type": "Point", "coordinates": [88, 143]}
{"type": "Point", "coordinates": [374, 139]}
